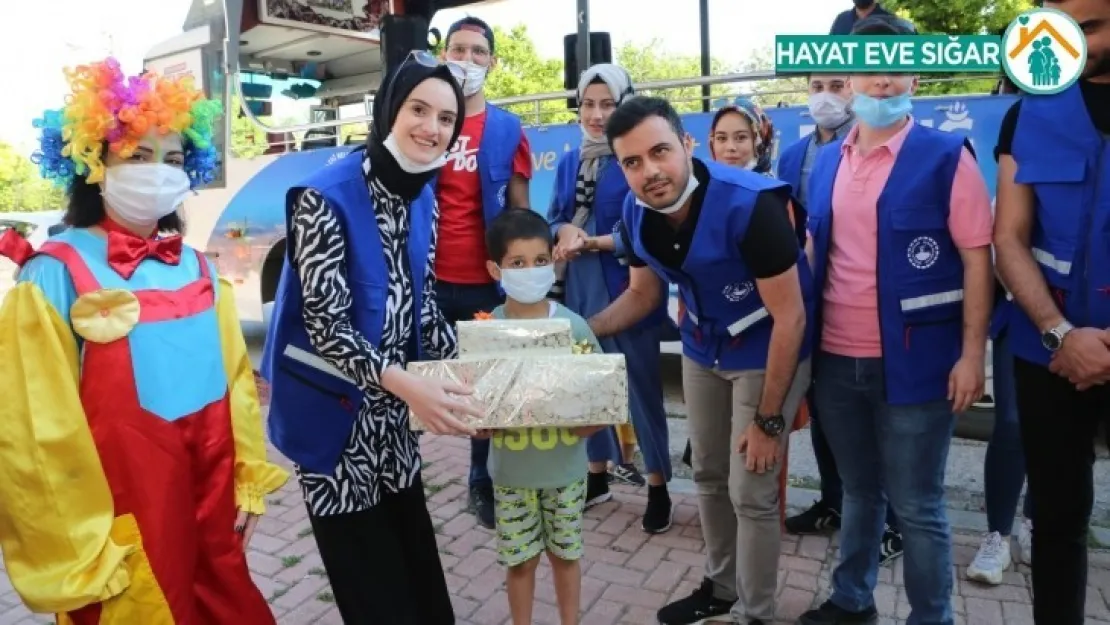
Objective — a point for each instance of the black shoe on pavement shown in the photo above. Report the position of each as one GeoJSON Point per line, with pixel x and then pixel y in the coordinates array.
{"type": "Point", "coordinates": [597, 489]}
{"type": "Point", "coordinates": [628, 473]}
{"type": "Point", "coordinates": [831, 614]}
{"type": "Point", "coordinates": [659, 512]}
{"type": "Point", "coordinates": [480, 504]}
{"type": "Point", "coordinates": [820, 518]}
{"type": "Point", "coordinates": [700, 607]}
{"type": "Point", "coordinates": [891, 547]}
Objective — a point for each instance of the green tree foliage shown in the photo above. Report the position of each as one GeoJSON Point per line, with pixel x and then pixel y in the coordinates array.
{"type": "Point", "coordinates": [521, 71]}
{"type": "Point", "coordinates": [21, 187]}
{"type": "Point", "coordinates": [959, 17]}
{"type": "Point", "coordinates": [247, 139]}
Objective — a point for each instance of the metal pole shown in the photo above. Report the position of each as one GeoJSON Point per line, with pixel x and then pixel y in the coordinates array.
{"type": "Point", "coordinates": [706, 67]}
{"type": "Point", "coordinates": [582, 52]}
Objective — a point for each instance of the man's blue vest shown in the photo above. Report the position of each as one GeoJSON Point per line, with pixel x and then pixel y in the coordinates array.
{"type": "Point", "coordinates": [501, 137]}
{"type": "Point", "coordinates": [726, 324]}
{"type": "Point", "coordinates": [1068, 166]}
{"type": "Point", "coordinates": [609, 196]}
{"type": "Point", "coordinates": [313, 405]}
{"type": "Point", "coordinates": [920, 275]}
{"type": "Point", "coordinates": [791, 160]}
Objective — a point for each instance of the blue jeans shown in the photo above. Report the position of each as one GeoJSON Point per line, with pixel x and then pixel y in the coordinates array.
{"type": "Point", "coordinates": [885, 450]}
{"type": "Point", "coordinates": [832, 489]}
{"type": "Point", "coordinates": [460, 302]}
{"type": "Point", "coordinates": [1004, 469]}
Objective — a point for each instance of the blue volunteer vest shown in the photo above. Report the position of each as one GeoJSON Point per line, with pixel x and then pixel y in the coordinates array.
{"type": "Point", "coordinates": [609, 196]}
{"type": "Point", "coordinates": [920, 275]}
{"type": "Point", "coordinates": [726, 324]}
{"type": "Point", "coordinates": [791, 160]}
{"type": "Point", "coordinates": [1068, 166]}
{"type": "Point", "coordinates": [313, 405]}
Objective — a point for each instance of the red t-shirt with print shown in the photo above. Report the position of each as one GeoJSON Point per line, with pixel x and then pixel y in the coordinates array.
{"type": "Point", "coordinates": [461, 248]}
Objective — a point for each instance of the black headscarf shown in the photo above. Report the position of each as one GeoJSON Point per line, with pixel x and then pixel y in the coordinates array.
{"type": "Point", "coordinates": [395, 90]}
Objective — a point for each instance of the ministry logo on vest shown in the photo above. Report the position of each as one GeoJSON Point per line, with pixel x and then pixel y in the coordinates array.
{"type": "Point", "coordinates": [1045, 51]}
{"type": "Point", "coordinates": [923, 252]}
{"type": "Point", "coordinates": [738, 291]}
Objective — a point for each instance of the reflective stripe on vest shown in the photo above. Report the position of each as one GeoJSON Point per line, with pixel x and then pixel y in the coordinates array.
{"type": "Point", "coordinates": [1062, 267]}
{"type": "Point", "coordinates": [934, 299]}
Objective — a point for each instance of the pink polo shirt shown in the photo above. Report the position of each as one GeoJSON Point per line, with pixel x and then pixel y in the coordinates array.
{"type": "Point", "coordinates": [851, 310]}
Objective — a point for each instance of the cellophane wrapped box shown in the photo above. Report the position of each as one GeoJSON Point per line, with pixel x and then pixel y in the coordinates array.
{"type": "Point", "coordinates": [518, 337]}
{"type": "Point", "coordinates": [557, 390]}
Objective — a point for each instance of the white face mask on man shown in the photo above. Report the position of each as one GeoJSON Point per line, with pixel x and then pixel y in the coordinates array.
{"type": "Point", "coordinates": [475, 76]}
{"type": "Point", "coordinates": [827, 110]}
{"type": "Point", "coordinates": [143, 193]}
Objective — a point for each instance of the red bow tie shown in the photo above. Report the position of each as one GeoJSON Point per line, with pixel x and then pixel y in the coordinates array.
{"type": "Point", "coordinates": [126, 251]}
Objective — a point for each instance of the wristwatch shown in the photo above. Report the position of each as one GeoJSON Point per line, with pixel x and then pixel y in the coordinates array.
{"type": "Point", "coordinates": [1053, 339]}
{"type": "Point", "coordinates": [772, 425]}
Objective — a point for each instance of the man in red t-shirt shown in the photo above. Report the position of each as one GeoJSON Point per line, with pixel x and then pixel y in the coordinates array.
{"type": "Point", "coordinates": [463, 286]}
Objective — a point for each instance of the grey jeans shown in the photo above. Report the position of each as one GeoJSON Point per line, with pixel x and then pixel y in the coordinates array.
{"type": "Point", "coordinates": [739, 508]}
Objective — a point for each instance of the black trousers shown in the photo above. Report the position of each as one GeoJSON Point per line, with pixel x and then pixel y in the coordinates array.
{"type": "Point", "coordinates": [1058, 429]}
{"type": "Point", "coordinates": [383, 563]}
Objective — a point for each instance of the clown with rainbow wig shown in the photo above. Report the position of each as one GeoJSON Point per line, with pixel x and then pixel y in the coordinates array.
{"type": "Point", "coordinates": [132, 462]}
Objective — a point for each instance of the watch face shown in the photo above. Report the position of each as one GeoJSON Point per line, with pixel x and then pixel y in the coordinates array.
{"type": "Point", "coordinates": [1051, 341]}
{"type": "Point", "coordinates": [771, 426]}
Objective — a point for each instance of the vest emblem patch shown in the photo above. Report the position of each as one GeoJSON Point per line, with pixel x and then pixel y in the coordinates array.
{"type": "Point", "coordinates": [738, 291]}
{"type": "Point", "coordinates": [923, 252]}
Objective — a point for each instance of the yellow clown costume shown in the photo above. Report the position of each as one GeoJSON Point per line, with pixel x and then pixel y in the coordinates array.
{"type": "Point", "coordinates": [132, 434]}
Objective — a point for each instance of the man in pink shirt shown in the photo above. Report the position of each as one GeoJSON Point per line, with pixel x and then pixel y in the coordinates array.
{"type": "Point", "coordinates": [901, 224]}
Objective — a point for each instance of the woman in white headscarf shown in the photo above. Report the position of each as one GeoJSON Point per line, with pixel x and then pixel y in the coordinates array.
{"type": "Point", "coordinates": [585, 213]}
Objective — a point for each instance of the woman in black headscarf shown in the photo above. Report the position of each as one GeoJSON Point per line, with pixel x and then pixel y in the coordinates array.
{"type": "Point", "coordinates": [355, 304]}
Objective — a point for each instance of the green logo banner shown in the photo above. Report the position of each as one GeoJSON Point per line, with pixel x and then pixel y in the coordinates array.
{"type": "Point", "coordinates": [904, 54]}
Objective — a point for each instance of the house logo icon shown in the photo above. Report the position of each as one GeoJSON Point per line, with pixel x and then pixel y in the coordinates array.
{"type": "Point", "coordinates": [1045, 51]}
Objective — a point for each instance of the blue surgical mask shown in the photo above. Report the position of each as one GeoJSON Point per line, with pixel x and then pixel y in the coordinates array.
{"type": "Point", "coordinates": [528, 285]}
{"type": "Point", "coordinates": [881, 113]}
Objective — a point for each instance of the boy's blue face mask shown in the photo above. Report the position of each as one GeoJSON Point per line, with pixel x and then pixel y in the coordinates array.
{"type": "Point", "coordinates": [881, 113]}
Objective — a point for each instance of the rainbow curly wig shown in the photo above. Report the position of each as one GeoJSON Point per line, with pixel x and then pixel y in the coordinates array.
{"type": "Point", "coordinates": [107, 109]}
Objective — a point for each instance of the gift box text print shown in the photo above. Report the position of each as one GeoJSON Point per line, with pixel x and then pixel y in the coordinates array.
{"type": "Point", "coordinates": [563, 390]}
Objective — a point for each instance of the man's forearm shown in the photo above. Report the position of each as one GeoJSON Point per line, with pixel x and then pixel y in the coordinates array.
{"type": "Point", "coordinates": [627, 310]}
{"type": "Point", "coordinates": [1023, 278]}
{"type": "Point", "coordinates": [782, 363]}
{"type": "Point", "coordinates": [978, 303]}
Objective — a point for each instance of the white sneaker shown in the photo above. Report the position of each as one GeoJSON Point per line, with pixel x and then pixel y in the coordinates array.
{"type": "Point", "coordinates": [1025, 541]}
{"type": "Point", "coordinates": [992, 560]}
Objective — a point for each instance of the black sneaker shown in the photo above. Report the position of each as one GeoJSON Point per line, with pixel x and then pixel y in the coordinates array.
{"type": "Point", "coordinates": [628, 473]}
{"type": "Point", "coordinates": [831, 614]}
{"type": "Point", "coordinates": [699, 607]}
{"type": "Point", "coordinates": [597, 489]}
{"type": "Point", "coordinates": [480, 504]}
{"type": "Point", "coordinates": [659, 512]}
{"type": "Point", "coordinates": [891, 547]}
{"type": "Point", "coordinates": [820, 518]}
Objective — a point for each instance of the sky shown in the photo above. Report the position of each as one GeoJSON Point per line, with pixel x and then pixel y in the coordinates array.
{"type": "Point", "coordinates": [76, 31]}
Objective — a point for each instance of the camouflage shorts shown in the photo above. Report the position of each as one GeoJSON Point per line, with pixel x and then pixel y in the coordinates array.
{"type": "Point", "coordinates": [530, 520]}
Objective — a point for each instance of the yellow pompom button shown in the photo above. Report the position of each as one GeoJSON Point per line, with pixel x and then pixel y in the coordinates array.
{"type": "Point", "coordinates": [104, 316]}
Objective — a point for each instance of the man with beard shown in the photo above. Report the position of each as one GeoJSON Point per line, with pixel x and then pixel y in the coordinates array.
{"type": "Point", "coordinates": [744, 278]}
{"type": "Point", "coordinates": [1052, 240]}
{"type": "Point", "coordinates": [844, 22]}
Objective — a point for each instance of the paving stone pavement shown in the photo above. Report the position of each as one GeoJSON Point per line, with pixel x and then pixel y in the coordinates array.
{"type": "Point", "coordinates": [627, 574]}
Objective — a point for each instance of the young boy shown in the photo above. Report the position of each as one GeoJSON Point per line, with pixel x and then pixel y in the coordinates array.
{"type": "Point", "coordinates": [539, 474]}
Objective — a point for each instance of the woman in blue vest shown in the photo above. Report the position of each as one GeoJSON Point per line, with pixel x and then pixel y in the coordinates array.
{"type": "Point", "coordinates": [590, 190]}
{"type": "Point", "coordinates": [354, 305]}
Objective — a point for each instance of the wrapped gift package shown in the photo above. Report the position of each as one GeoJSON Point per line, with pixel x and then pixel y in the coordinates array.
{"type": "Point", "coordinates": [520, 337]}
{"type": "Point", "coordinates": [558, 390]}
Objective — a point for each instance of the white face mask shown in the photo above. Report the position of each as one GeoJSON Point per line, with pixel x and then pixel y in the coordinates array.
{"type": "Point", "coordinates": [143, 193]}
{"type": "Point", "coordinates": [408, 165]}
{"type": "Point", "coordinates": [475, 77]}
{"type": "Point", "coordinates": [828, 110]}
{"type": "Point", "coordinates": [691, 185]}
{"type": "Point", "coordinates": [529, 285]}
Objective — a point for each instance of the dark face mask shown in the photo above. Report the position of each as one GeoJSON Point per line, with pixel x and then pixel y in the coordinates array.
{"type": "Point", "coordinates": [863, 4]}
